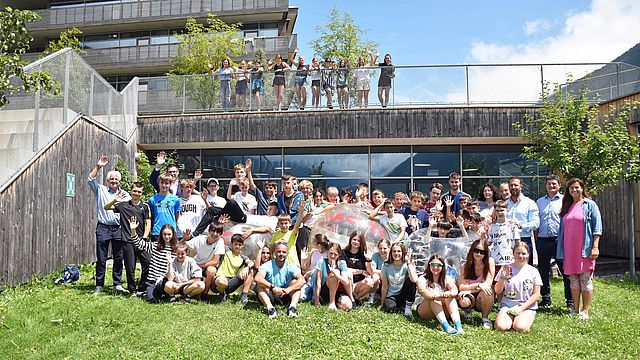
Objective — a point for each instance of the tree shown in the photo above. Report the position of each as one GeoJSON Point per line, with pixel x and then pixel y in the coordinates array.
{"type": "Point", "coordinates": [342, 38]}
{"type": "Point", "coordinates": [68, 39]}
{"type": "Point", "coordinates": [568, 137]}
{"type": "Point", "coordinates": [200, 46]}
{"type": "Point", "coordinates": [15, 41]}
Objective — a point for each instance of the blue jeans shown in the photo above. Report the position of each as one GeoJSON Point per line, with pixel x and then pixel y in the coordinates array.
{"type": "Point", "coordinates": [225, 93]}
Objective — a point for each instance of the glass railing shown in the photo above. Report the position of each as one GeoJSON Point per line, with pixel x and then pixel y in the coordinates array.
{"type": "Point", "coordinates": [30, 121]}
{"type": "Point", "coordinates": [145, 10]}
{"type": "Point", "coordinates": [411, 86]}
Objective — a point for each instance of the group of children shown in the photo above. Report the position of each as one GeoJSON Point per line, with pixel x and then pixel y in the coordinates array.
{"type": "Point", "coordinates": [331, 77]}
{"type": "Point", "coordinates": [284, 270]}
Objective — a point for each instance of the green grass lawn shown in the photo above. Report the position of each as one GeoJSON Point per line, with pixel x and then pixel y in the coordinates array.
{"type": "Point", "coordinates": [42, 320]}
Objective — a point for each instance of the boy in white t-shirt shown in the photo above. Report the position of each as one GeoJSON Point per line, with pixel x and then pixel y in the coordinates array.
{"type": "Point", "coordinates": [192, 208]}
{"type": "Point", "coordinates": [184, 276]}
{"type": "Point", "coordinates": [502, 235]}
{"type": "Point", "coordinates": [207, 250]}
{"type": "Point", "coordinates": [246, 201]}
{"type": "Point", "coordinates": [395, 223]}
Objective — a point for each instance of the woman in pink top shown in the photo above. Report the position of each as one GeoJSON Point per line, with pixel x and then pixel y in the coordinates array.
{"type": "Point", "coordinates": [578, 241]}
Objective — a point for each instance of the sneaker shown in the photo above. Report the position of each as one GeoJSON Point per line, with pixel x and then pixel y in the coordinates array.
{"type": "Point", "coordinates": [583, 315]}
{"type": "Point", "coordinates": [407, 312]}
{"type": "Point", "coordinates": [545, 303]}
{"type": "Point", "coordinates": [98, 290]}
{"type": "Point", "coordinates": [244, 298]}
{"type": "Point", "coordinates": [139, 294]}
{"type": "Point", "coordinates": [451, 330]}
{"type": "Point", "coordinates": [486, 324]}
{"type": "Point", "coordinates": [468, 317]}
{"type": "Point", "coordinates": [572, 312]}
{"type": "Point", "coordinates": [188, 299]}
{"type": "Point", "coordinates": [292, 312]}
{"type": "Point", "coordinates": [272, 313]}
{"type": "Point", "coordinates": [459, 331]}
{"type": "Point", "coordinates": [223, 297]}
{"type": "Point", "coordinates": [173, 299]}
{"type": "Point", "coordinates": [119, 289]}
{"type": "Point", "coordinates": [332, 306]}
{"type": "Point", "coordinates": [570, 304]}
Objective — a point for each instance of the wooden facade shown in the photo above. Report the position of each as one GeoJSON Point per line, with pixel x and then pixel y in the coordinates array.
{"type": "Point", "coordinates": [43, 229]}
{"type": "Point", "coordinates": [418, 125]}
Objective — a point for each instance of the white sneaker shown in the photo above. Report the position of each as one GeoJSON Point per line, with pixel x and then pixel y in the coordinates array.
{"type": "Point", "coordinates": [486, 324]}
{"type": "Point", "coordinates": [332, 306]}
{"type": "Point", "coordinates": [583, 315]}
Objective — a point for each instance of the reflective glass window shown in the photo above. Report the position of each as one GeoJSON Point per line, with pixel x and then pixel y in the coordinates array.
{"type": "Point", "coordinates": [327, 162]}
{"type": "Point", "coordinates": [219, 163]}
{"type": "Point", "coordinates": [435, 160]}
{"type": "Point", "coordinates": [390, 161]}
{"type": "Point", "coordinates": [497, 160]}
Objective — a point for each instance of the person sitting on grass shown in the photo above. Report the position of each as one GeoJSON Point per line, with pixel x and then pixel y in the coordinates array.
{"type": "Point", "coordinates": [332, 278]}
{"type": "Point", "coordinates": [287, 236]}
{"type": "Point", "coordinates": [234, 271]}
{"type": "Point", "coordinates": [279, 282]}
{"type": "Point", "coordinates": [398, 281]}
{"type": "Point", "coordinates": [475, 288]}
{"type": "Point", "coordinates": [184, 276]}
{"type": "Point", "coordinates": [439, 292]}
{"type": "Point", "coordinates": [359, 267]}
{"type": "Point", "coordinates": [161, 252]}
{"type": "Point", "coordinates": [520, 283]}
{"type": "Point", "coordinates": [377, 262]}
{"type": "Point", "coordinates": [207, 250]}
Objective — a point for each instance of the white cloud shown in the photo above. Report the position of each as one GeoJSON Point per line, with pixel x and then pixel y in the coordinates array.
{"type": "Point", "coordinates": [599, 34]}
{"type": "Point", "coordinates": [537, 25]}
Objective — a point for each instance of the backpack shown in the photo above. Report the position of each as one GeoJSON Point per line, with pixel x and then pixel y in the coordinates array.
{"type": "Point", "coordinates": [70, 274]}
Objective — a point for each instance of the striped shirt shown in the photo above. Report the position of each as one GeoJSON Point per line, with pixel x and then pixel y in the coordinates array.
{"type": "Point", "coordinates": [159, 266]}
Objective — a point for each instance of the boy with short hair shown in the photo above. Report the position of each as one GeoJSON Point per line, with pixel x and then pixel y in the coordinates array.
{"type": "Point", "coordinates": [235, 271]}
{"type": "Point", "coordinates": [503, 235]}
{"type": "Point", "coordinates": [246, 201]}
{"type": "Point", "coordinates": [265, 197]}
{"type": "Point", "coordinates": [395, 223]}
{"type": "Point", "coordinates": [184, 276]}
{"type": "Point", "coordinates": [165, 207]}
{"type": "Point", "coordinates": [333, 195]}
{"type": "Point", "coordinates": [415, 216]}
{"type": "Point", "coordinates": [240, 172]}
{"type": "Point", "coordinates": [207, 250]}
{"type": "Point", "coordinates": [192, 208]}
{"type": "Point", "coordinates": [289, 236]}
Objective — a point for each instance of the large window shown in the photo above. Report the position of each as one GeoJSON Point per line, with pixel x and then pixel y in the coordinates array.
{"type": "Point", "coordinates": [331, 162]}
{"type": "Point", "coordinates": [434, 161]}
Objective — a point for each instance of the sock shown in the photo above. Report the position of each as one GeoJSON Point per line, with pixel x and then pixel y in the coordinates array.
{"type": "Point", "coordinates": [457, 325]}
{"type": "Point", "coordinates": [442, 318]}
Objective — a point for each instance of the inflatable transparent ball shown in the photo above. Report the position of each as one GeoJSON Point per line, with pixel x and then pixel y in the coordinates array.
{"type": "Point", "coordinates": [453, 250]}
{"type": "Point", "coordinates": [341, 220]}
{"type": "Point", "coordinates": [251, 247]}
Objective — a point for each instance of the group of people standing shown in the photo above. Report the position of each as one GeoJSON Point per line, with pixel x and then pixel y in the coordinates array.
{"type": "Point", "coordinates": [177, 238]}
{"type": "Point", "coordinates": [332, 77]}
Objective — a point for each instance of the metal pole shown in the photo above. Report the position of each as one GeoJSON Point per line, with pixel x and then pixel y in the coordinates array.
{"type": "Point", "coordinates": [91, 95]}
{"type": "Point", "coordinates": [466, 78]}
{"type": "Point", "coordinates": [632, 232]}
{"type": "Point", "coordinates": [541, 80]}
{"type": "Point", "coordinates": [36, 121]}
{"type": "Point", "coordinates": [618, 78]}
{"type": "Point", "coordinates": [65, 97]}
{"type": "Point", "coordinates": [184, 94]}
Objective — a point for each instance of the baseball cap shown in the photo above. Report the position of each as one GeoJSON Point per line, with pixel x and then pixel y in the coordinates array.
{"type": "Point", "coordinates": [213, 180]}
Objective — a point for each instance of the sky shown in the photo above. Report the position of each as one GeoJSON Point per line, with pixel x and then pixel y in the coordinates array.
{"type": "Point", "coordinates": [483, 32]}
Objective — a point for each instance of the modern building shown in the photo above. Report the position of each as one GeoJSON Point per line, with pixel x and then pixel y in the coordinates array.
{"type": "Point", "coordinates": [127, 38]}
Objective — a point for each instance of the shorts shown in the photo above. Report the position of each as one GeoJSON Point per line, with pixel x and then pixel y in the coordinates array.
{"type": "Point", "coordinates": [257, 86]}
{"type": "Point", "coordinates": [583, 282]}
{"type": "Point", "coordinates": [363, 84]}
{"type": "Point", "coordinates": [300, 80]}
{"type": "Point", "coordinates": [241, 87]}
{"type": "Point", "coordinates": [327, 87]}
{"type": "Point", "coordinates": [233, 283]}
{"type": "Point", "coordinates": [315, 83]}
{"type": "Point", "coordinates": [341, 86]}
{"type": "Point", "coordinates": [529, 309]}
{"type": "Point", "coordinates": [278, 80]}
{"type": "Point", "coordinates": [285, 300]}
{"type": "Point", "coordinates": [324, 294]}
{"type": "Point", "coordinates": [358, 278]}
{"type": "Point", "coordinates": [472, 297]}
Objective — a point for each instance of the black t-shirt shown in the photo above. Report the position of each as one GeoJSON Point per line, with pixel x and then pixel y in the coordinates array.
{"type": "Point", "coordinates": [354, 260]}
{"type": "Point", "coordinates": [127, 210]}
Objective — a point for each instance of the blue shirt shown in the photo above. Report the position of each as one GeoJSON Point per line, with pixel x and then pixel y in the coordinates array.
{"type": "Point", "coordinates": [525, 212]}
{"type": "Point", "coordinates": [549, 215]}
{"type": "Point", "coordinates": [280, 277]}
{"type": "Point", "coordinates": [163, 211]}
{"type": "Point", "coordinates": [323, 268]}
{"type": "Point", "coordinates": [104, 194]}
{"type": "Point", "coordinates": [395, 276]}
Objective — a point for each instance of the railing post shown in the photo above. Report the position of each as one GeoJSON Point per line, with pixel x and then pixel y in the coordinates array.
{"type": "Point", "coordinates": [541, 79]}
{"type": "Point", "coordinates": [91, 95]}
{"type": "Point", "coordinates": [109, 104]}
{"type": "Point", "coordinates": [36, 121]}
{"type": "Point", "coordinates": [618, 78]}
{"type": "Point", "coordinates": [184, 94]}
{"type": "Point", "coordinates": [466, 79]}
{"type": "Point", "coordinates": [65, 88]}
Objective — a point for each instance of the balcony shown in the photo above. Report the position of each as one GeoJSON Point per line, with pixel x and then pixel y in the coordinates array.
{"type": "Point", "coordinates": [157, 56]}
{"type": "Point", "coordinates": [148, 10]}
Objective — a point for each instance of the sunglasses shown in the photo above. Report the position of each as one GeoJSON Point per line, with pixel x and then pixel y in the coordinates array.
{"type": "Point", "coordinates": [435, 265]}
{"type": "Point", "coordinates": [479, 251]}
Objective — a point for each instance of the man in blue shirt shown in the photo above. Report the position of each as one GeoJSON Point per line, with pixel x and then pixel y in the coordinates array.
{"type": "Point", "coordinates": [108, 227]}
{"type": "Point", "coordinates": [454, 193]}
{"type": "Point", "coordinates": [546, 239]}
{"type": "Point", "coordinates": [524, 212]}
{"type": "Point", "coordinates": [279, 282]}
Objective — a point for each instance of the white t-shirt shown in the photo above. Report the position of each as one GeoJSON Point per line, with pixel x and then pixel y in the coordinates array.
{"type": "Point", "coordinates": [186, 270]}
{"type": "Point", "coordinates": [191, 212]}
{"type": "Point", "coordinates": [502, 238]}
{"type": "Point", "coordinates": [248, 204]}
{"type": "Point", "coordinates": [519, 288]}
{"type": "Point", "coordinates": [217, 201]}
{"type": "Point", "coordinates": [205, 252]}
{"type": "Point", "coordinates": [263, 220]}
{"type": "Point", "coordinates": [394, 224]}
